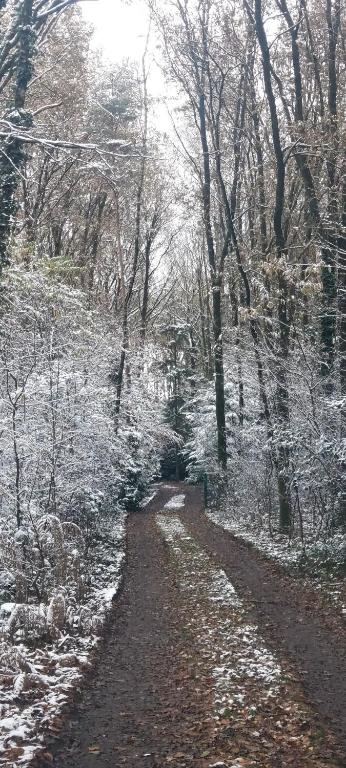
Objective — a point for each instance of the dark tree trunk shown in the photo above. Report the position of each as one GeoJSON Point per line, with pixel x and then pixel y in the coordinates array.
{"type": "Point", "coordinates": [327, 233]}
{"type": "Point", "coordinates": [145, 302]}
{"type": "Point", "coordinates": [100, 204]}
{"type": "Point", "coordinates": [118, 376]}
{"type": "Point", "coordinates": [203, 319]}
{"type": "Point", "coordinates": [147, 264]}
{"type": "Point", "coordinates": [12, 156]}
{"type": "Point", "coordinates": [235, 318]}
{"type": "Point", "coordinates": [216, 285]}
{"type": "Point", "coordinates": [282, 394]}
{"type": "Point", "coordinates": [219, 374]}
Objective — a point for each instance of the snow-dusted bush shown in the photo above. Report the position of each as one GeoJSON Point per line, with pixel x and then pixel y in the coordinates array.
{"type": "Point", "coordinates": [315, 443]}
{"type": "Point", "coordinates": [66, 463]}
{"type": "Point", "coordinates": [29, 620]}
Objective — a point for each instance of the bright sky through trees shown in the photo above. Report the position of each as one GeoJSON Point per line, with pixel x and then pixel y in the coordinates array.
{"type": "Point", "coordinates": [121, 32]}
{"type": "Point", "coordinates": [120, 29]}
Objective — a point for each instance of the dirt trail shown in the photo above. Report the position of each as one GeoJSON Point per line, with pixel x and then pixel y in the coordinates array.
{"type": "Point", "coordinates": [141, 703]}
{"type": "Point", "coordinates": [148, 703]}
{"type": "Point", "coordinates": [285, 615]}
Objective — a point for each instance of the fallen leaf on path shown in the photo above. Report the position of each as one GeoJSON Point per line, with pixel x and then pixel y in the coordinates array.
{"type": "Point", "coordinates": [94, 749]}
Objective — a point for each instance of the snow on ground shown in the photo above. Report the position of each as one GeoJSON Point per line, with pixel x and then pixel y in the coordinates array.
{"type": "Point", "coordinates": [176, 502]}
{"type": "Point", "coordinates": [147, 500]}
{"type": "Point", "coordinates": [38, 679]}
{"type": "Point", "coordinates": [257, 711]}
{"type": "Point", "coordinates": [279, 547]}
{"type": "Point", "coordinates": [290, 552]}
{"type": "Point", "coordinates": [236, 648]}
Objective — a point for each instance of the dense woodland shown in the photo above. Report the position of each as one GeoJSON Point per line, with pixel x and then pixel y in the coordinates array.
{"type": "Point", "coordinates": [176, 302]}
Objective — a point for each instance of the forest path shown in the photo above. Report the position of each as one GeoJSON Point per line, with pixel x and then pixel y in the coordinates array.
{"type": "Point", "coordinates": [289, 616]}
{"type": "Point", "coordinates": [142, 700]}
{"type": "Point", "coordinates": [183, 679]}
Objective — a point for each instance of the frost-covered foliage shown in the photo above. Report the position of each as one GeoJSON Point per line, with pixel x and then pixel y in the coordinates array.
{"type": "Point", "coordinates": [201, 449]}
{"type": "Point", "coordinates": [63, 455]}
{"type": "Point", "coordinates": [38, 679]}
{"type": "Point", "coordinates": [69, 468]}
{"type": "Point", "coordinates": [316, 450]}
{"type": "Point", "coordinates": [262, 278]}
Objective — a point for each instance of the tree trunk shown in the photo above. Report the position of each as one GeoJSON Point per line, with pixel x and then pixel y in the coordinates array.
{"type": "Point", "coordinates": [147, 263]}
{"type": "Point", "coordinates": [282, 394]}
{"type": "Point", "coordinates": [219, 375]}
{"type": "Point", "coordinates": [12, 156]}
{"type": "Point", "coordinates": [216, 285]}
{"type": "Point", "coordinates": [118, 376]}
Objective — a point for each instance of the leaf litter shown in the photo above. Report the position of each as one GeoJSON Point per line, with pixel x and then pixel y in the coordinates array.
{"type": "Point", "coordinates": [259, 713]}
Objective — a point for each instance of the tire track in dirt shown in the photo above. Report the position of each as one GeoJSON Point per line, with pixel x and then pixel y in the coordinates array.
{"type": "Point", "coordinates": [142, 703]}
{"type": "Point", "coordinates": [285, 616]}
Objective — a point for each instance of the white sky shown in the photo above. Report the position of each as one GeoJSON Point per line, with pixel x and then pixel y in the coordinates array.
{"type": "Point", "coordinates": [120, 30]}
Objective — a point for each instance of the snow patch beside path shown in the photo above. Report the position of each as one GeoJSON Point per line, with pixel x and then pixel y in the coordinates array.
{"type": "Point", "coordinates": [176, 502]}
{"type": "Point", "coordinates": [147, 500]}
{"type": "Point", "coordinates": [289, 552]}
{"type": "Point", "coordinates": [280, 548]}
{"type": "Point", "coordinates": [36, 683]}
